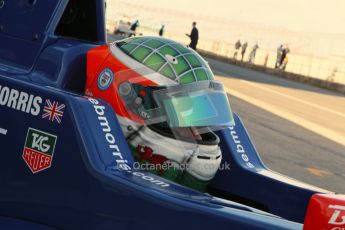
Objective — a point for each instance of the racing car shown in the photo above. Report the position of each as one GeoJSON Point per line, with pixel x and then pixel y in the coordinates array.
{"type": "Point", "coordinates": [80, 118]}
{"type": "Point", "coordinates": [124, 29]}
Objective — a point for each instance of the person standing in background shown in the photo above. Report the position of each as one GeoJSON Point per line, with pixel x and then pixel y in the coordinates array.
{"type": "Point", "coordinates": [266, 59]}
{"type": "Point", "coordinates": [284, 58]}
{"type": "Point", "coordinates": [244, 48]}
{"type": "Point", "coordinates": [161, 31]}
{"type": "Point", "coordinates": [284, 63]}
{"type": "Point", "coordinates": [285, 51]}
{"type": "Point", "coordinates": [253, 53]}
{"type": "Point", "coordinates": [237, 47]}
{"type": "Point", "coordinates": [194, 37]}
{"type": "Point", "coordinates": [134, 27]}
{"type": "Point", "coordinates": [279, 56]}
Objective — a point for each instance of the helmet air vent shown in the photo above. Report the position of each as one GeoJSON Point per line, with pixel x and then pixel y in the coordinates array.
{"type": "Point", "coordinates": [171, 59]}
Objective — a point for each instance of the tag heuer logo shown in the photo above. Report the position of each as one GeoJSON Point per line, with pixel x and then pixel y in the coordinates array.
{"type": "Point", "coordinates": [38, 150]}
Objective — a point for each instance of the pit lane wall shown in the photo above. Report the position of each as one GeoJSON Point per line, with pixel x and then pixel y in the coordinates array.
{"type": "Point", "coordinates": [330, 82]}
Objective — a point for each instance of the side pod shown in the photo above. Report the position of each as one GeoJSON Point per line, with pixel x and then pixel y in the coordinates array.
{"type": "Point", "coordinates": [250, 182]}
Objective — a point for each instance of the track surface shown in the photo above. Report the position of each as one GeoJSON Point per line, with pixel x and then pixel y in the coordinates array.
{"type": "Point", "coordinates": [299, 130]}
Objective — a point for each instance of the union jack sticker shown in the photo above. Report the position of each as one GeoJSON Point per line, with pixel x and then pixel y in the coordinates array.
{"type": "Point", "coordinates": [53, 111]}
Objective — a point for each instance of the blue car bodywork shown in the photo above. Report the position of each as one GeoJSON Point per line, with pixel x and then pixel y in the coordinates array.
{"type": "Point", "coordinates": [43, 46]}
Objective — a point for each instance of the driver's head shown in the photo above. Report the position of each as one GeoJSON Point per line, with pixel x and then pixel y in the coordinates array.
{"type": "Point", "coordinates": [166, 99]}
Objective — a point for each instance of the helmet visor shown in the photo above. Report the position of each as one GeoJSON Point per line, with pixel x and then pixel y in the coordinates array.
{"type": "Point", "coordinates": [198, 104]}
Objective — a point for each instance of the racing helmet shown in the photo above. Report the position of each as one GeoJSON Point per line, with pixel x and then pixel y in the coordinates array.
{"type": "Point", "coordinates": [167, 102]}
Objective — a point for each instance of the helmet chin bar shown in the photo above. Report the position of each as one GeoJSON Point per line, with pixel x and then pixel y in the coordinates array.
{"type": "Point", "coordinates": [192, 164]}
{"type": "Point", "coordinates": [207, 136]}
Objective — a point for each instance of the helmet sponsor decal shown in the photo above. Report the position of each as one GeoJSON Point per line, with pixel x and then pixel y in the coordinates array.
{"type": "Point", "coordinates": [31, 104]}
{"type": "Point", "coordinates": [105, 79]}
{"type": "Point", "coordinates": [38, 150]}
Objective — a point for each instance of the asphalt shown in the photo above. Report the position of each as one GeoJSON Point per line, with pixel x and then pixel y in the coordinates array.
{"type": "Point", "coordinates": [299, 130]}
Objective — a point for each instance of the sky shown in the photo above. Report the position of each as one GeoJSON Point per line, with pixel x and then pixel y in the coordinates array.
{"type": "Point", "coordinates": [301, 15]}
{"type": "Point", "coordinates": [307, 24]}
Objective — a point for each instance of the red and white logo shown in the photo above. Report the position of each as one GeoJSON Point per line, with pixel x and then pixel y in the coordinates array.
{"type": "Point", "coordinates": [325, 212]}
{"type": "Point", "coordinates": [338, 217]}
{"type": "Point", "coordinates": [53, 111]}
{"type": "Point", "coordinates": [39, 150]}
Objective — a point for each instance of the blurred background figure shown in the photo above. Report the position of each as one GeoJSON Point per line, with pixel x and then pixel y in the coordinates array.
{"type": "Point", "coordinates": [285, 51]}
{"type": "Point", "coordinates": [161, 31]}
{"type": "Point", "coordinates": [279, 56]}
{"type": "Point", "coordinates": [244, 48]}
{"type": "Point", "coordinates": [266, 59]}
{"type": "Point", "coordinates": [134, 27]}
{"type": "Point", "coordinates": [282, 59]}
{"type": "Point", "coordinates": [284, 63]}
{"type": "Point", "coordinates": [253, 53]}
{"type": "Point", "coordinates": [194, 37]}
{"type": "Point", "coordinates": [333, 74]}
{"type": "Point", "coordinates": [237, 47]}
